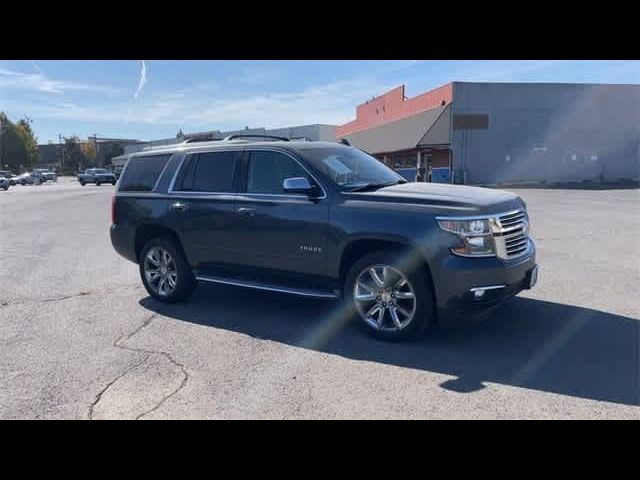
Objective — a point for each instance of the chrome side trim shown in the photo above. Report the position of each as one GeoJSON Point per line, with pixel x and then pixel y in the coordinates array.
{"type": "Point", "coordinates": [175, 174]}
{"type": "Point", "coordinates": [272, 288]}
{"type": "Point", "coordinates": [489, 287]}
{"type": "Point", "coordinates": [164, 169]}
{"type": "Point", "coordinates": [249, 150]}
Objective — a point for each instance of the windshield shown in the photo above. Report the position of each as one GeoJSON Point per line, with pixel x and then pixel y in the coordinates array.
{"type": "Point", "coordinates": [349, 167]}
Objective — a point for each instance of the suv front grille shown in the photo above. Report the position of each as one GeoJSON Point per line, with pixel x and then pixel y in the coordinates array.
{"type": "Point", "coordinates": [511, 235]}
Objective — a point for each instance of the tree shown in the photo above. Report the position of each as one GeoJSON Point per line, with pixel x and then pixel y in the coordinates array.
{"type": "Point", "coordinates": [13, 152]}
{"type": "Point", "coordinates": [74, 156]}
{"type": "Point", "coordinates": [89, 151]}
{"type": "Point", "coordinates": [179, 135]}
{"type": "Point", "coordinates": [30, 141]}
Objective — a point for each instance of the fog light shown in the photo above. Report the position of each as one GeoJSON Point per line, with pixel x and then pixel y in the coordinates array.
{"type": "Point", "coordinates": [478, 294]}
{"type": "Point", "coordinates": [476, 241]}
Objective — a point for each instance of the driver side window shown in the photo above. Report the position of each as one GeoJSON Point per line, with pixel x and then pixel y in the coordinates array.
{"type": "Point", "coordinates": [268, 170]}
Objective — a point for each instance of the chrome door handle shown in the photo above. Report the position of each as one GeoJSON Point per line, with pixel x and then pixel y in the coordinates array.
{"type": "Point", "coordinates": [179, 206]}
{"type": "Point", "coordinates": [247, 211]}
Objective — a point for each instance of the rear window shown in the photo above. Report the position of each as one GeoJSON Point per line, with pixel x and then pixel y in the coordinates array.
{"type": "Point", "coordinates": [142, 173]}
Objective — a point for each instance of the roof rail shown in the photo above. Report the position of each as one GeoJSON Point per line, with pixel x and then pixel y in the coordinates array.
{"type": "Point", "coordinates": [201, 139]}
{"type": "Point", "coordinates": [271, 137]}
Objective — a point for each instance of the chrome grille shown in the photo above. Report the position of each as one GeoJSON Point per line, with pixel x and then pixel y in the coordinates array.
{"type": "Point", "coordinates": [511, 234]}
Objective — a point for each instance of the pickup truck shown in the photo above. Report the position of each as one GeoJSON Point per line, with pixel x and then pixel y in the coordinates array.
{"type": "Point", "coordinates": [324, 220]}
{"type": "Point", "coordinates": [97, 176]}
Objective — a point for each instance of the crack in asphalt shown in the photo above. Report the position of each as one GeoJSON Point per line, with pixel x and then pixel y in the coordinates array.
{"type": "Point", "coordinates": [148, 353]}
{"type": "Point", "coordinates": [59, 298]}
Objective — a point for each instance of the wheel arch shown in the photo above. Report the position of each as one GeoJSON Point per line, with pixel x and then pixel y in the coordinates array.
{"type": "Point", "coordinates": [359, 247]}
{"type": "Point", "coordinates": [146, 232]}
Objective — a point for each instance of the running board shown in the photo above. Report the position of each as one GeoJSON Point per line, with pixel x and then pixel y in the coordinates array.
{"type": "Point", "coordinates": [305, 292]}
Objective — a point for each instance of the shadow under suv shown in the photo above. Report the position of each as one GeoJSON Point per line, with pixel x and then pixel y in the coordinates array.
{"type": "Point", "coordinates": [320, 219]}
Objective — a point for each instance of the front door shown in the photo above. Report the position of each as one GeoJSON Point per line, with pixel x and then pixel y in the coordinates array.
{"type": "Point", "coordinates": [276, 230]}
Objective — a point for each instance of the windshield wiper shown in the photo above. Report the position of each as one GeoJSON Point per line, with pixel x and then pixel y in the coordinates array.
{"type": "Point", "coordinates": [374, 186]}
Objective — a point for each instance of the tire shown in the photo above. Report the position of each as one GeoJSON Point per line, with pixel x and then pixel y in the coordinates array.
{"type": "Point", "coordinates": [407, 310]}
{"type": "Point", "coordinates": [113, 183]}
{"type": "Point", "coordinates": [82, 183]}
{"type": "Point", "coordinates": [97, 184]}
{"type": "Point", "coordinates": [184, 281]}
{"type": "Point", "coordinates": [5, 187]}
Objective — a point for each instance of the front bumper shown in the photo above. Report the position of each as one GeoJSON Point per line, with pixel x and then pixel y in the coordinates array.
{"type": "Point", "coordinates": [460, 280]}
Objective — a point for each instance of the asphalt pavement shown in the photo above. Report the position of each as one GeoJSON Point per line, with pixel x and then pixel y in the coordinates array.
{"type": "Point", "coordinates": [80, 337]}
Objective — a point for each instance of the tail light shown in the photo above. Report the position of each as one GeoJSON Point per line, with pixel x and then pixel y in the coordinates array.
{"type": "Point", "coordinates": [113, 209]}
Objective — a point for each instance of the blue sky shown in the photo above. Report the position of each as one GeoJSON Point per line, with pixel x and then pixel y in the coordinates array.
{"type": "Point", "coordinates": [152, 99]}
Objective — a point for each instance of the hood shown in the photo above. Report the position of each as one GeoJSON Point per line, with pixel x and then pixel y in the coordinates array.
{"type": "Point", "coordinates": [446, 197]}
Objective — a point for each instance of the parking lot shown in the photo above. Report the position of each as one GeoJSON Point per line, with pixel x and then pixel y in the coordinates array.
{"type": "Point", "coordinates": [80, 338]}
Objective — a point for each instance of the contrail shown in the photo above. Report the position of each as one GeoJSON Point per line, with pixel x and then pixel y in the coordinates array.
{"type": "Point", "coordinates": [37, 67]}
{"type": "Point", "coordinates": [143, 79]}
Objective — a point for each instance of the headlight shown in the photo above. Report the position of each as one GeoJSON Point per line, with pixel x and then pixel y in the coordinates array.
{"type": "Point", "coordinates": [475, 236]}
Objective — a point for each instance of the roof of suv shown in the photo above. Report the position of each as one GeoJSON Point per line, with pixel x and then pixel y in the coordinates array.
{"type": "Point", "coordinates": [215, 144]}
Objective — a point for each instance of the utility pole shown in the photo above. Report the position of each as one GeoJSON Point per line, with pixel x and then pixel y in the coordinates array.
{"type": "Point", "coordinates": [95, 146]}
{"type": "Point", "coordinates": [61, 153]}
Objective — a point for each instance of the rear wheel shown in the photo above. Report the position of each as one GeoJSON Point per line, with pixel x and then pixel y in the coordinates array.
{"type": "Point", "coordinates": [392, 301]}
{"type": "Point", "coordinates": [97, 184]}
{"type": "Point", "coordinates": [165, 271]}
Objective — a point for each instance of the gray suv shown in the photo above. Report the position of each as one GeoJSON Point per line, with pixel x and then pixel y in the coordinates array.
{"type": "Point", "coordinates": [324, 220]}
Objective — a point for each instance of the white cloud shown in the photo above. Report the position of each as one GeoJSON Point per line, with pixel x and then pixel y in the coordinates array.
{"type": "Point", "coordinates": [143, 79]}
{"type": "Point", "coordinates": [41, 83]}
{"type": "Point", "coordinates": [332, 103]}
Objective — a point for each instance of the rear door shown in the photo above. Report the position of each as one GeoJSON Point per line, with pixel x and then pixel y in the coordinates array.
{"type": "Point", "coordinates": [201, 207]}
{"type": "Point", "coordinates": [276, 230]}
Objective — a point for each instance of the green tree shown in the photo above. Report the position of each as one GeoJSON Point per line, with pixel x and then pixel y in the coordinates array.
{"type": "Point", "coordinates": [89, 151]}
{"type": "Point", "coordinates": [30, 141]}
{"type": "Point", "coordinates": [13, 152]}
{"type": "Point", "coordinates": [74, 156]}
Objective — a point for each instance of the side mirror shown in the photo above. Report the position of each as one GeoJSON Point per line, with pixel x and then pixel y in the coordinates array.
{"type": "Point", "coordinates": [298, 185]}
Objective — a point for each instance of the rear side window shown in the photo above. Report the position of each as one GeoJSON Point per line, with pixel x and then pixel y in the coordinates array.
{"type": "Point", "coordinates": [142, 173]}
{"type": "Point", "coordinates": [208, 172]}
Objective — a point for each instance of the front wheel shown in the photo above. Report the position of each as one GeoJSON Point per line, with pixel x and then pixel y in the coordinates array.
{"type": "Point", "coordinates": [392, 299]}
{"type": "Point", "coordinates": [165, 272]}
{"type": "Point", "coordinates": [97, 184]}
{"type": "Point", "coordinates": [82, 183]}
{"type": "Point", "coordinates": [113, 182]}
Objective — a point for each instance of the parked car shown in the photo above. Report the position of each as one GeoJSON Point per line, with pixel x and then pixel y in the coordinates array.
{"type": "Point", "coordinates": [46, 174]}
{"type": "Point", "coordinates": [117, 171]}
{"type": "Point", "coordinates": [97, 176]}
{"type": "Point", "coordinates": [29, 178]}
{"type": "Point", "coordinates": [4, 183]}
{"type": "Point", "coordinates": [8, 175]}
{"type": "Point", "coordinates": [321, 219]}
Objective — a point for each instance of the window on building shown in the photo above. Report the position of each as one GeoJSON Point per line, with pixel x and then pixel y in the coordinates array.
{"type": "Point", "coordinates": [142, 173]}
{"type": "Point", "coordinates": [268, 170]}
